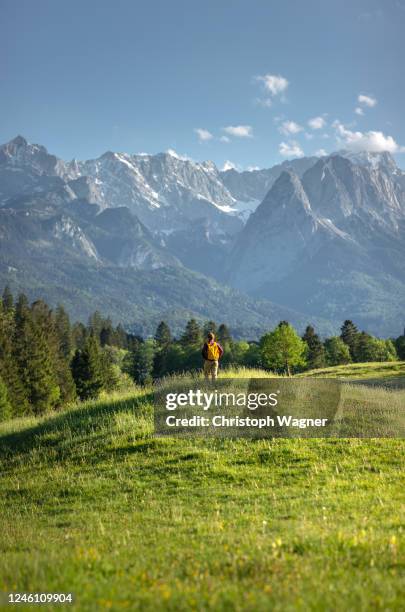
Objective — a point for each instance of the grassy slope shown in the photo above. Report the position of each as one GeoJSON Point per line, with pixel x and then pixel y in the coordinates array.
{"type": "Point", "coordinates": [92, 503]}
{"type": "Point", "coordinates": [361, 370]}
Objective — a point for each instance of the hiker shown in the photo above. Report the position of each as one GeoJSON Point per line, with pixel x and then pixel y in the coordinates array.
{"type": "Point", "coordinates": [212, 352]}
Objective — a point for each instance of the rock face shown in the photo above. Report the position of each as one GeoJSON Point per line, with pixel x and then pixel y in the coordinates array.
{"type": "Point", "coordinates": [249, 188]}
{"type": "Point", "coordinates": [332, 242]}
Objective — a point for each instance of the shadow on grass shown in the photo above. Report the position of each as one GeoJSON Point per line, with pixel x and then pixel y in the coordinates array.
{"type": "Point", "coordinates": [82, 422]}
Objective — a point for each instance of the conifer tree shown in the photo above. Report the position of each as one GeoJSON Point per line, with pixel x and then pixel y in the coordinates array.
{"type": "Point", "coordinates": [400, 346]}
{"type": "Point", "coordinates": [142, 358]}
{"type": "Point", "coordinates": [192, 336]}
{"type": "Point", "coordinates": [5, 405]}
{"type": "Point", "coordinates": [64, 332]}
{"type": "Point", "coordinates": [16, 393]}
{"type": "Point", "coordinates": [316, 351]}
{"type": "Point", "coordinates": [163, 339]}
{"type": "Point", "coordinates": [58, 345]}
{"type": "Point", "coordinates": [87, 369]}
{"type": "Point", "coordinates": [224, 335]}
{"type": "Point", "coordinates": [34, 359]}
{"type": "Point", "coordinates": [96, 324]}
{"type": "Point", "coordinates": [7, 299]}
{"type": "Point", "coordinates": [120, 337]}
{"type": "Point", "coordinates": [350, 335]}
{"type": "Point", "coordinates": [79, 335]}
{"type": "Point", "coordinates": [163, 335]}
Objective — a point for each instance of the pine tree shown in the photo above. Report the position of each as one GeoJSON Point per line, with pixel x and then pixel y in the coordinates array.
{"type": "Point", "coordinates": [400, 346]}
{"type": "Point", "coordinates": [120, 337]}
{"type": "Point", "coordinates": [192, 336]}
{"type": "Point", "coordinates": [163, 339]}
{"type": "Point", "coordinates": [224, 335]}
{"type": "Point", "coordinates": [163, 335]}
{"type": "Point", "coordinates": [79, 335]}
{"type": "Point", "coordinates": [350, 335]}
{"type": "Point", "coordinates": [7, 299]}
{"type": "Point", "coordinates": [16, 393]}
{"type": "Point", "coordinates": [96, 324]}
{"type": "Point", "coordinates": [5, 405]}
{"type": "Point", "coordinates": [35, 364]}
{"type": "Point", "coordinates": [316, 351]}
{"type": "Point", "coordinates": [142, 358]}
{"type": "Point", "coordinates": [58, 341]}
{"type": "Point", "coordinates": [64, 332]}
{"type": "Point", "coordinates": [87, 369]}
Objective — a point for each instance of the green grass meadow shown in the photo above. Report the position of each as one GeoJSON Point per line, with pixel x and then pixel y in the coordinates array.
{"type": "Point", "coordinates": [92, 503]}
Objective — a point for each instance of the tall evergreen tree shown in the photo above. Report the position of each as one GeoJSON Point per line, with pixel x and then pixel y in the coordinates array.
{"type": "Point", "coordinates": [7, 299]}
{"type": "Point", "coordinates": [120, 337]}
{"type": "Point", "coordinates": [142, 358]}
{"type": "Point", "coordinates": [5, 405]}
{"type": "Point", "coordinates": [400, 347]}
{"type": "Point", "coordinates": [224, 335]}
{"type": "Point", "coordinates": [79, 335]}
{"type": "Point", "coordinates": [88, 369]}
{"type": "Point", "coordinates": [350, 335]}
{"type": "Point", "coordinates": [16, 393]}
{"type": "Point", "coordinates": [96, 324]}
{"type": "Point", "coordinates": [163, 335]}
{"type": "Point", "coordinates": [192, 335]}
{"type": "Point", "coordinates": [316, 351]}
{"type": "Point", "coordinates": [58, 346]}
{"type": "Point", "coordinates": [163, 339]}
{"type": "Point", "coordinates": [64, 331]}
{"type": "Point", "coordinates": [34, 360]}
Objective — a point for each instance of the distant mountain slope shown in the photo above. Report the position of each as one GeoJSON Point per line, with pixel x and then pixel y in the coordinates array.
{"type": "Point", "coordinates": [141, 298]}
{"type": "Point", "coordinates": [332, 242]}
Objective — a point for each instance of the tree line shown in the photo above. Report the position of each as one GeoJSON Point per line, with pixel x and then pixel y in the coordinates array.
{"type": "Point", "coordinates": [47, 362]}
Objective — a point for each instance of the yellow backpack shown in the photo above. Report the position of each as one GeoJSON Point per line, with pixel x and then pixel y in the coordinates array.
{"type": "Point", "coordinates": [212, 351]}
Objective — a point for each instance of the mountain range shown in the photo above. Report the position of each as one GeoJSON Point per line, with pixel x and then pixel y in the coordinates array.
{"type": "Point", "coordinates": [144, 237]}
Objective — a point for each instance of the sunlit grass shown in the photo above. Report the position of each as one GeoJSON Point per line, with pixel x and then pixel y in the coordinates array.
{"type": "Point", "coordinates": [92, 503]}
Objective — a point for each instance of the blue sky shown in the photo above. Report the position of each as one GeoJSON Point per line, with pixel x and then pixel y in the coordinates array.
{"type": "Point", "coordinates": [232, 81]}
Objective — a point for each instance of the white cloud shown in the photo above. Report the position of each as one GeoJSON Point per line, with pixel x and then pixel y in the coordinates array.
{"type": "Point", "coordinates": [252, 168]}
{"type": "Point", "coordinates": [228, 165]}
{"type": "Point", "coordinates": [275, 84]}
{"type": "Point", "coordinates": [359, 111]}
{"type": "Point", "coordinates": [366, 100]}
{"type": "Point", "coordinates": [203, 135]}
{"type": "Point", "coordinates": [308, 136]}
{"type": "Point", "coordinates": [320, 153]}
{"type": "Point", "coordinates": [290, 149]}
{"type": "Point", "coordinates": [317, 123]}
{"type": "Point", "coordinates": [290, 127]}
{"type": "Point", "coordinates": [225, 139]}
{"type": "Point", "coordinates": [372, 141]}
{"type": "Point", "coordinates": [240, 131]}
